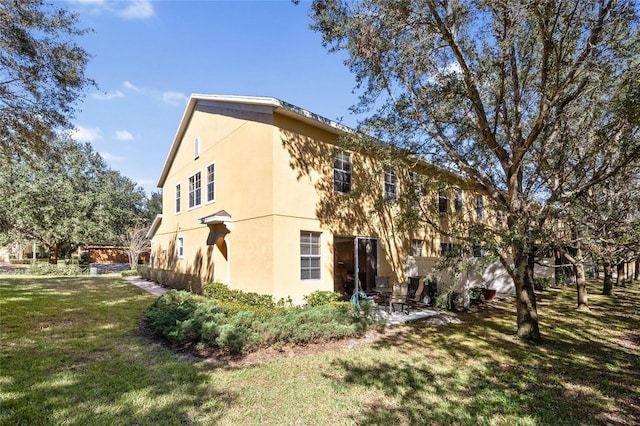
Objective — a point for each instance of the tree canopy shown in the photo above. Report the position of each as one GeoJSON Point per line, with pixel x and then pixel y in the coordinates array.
{"type": "Point", "coordinates": [70, 199]}
{"type": "Point", "coordinates": [533, 102]}
{"type": "Point", "coordinates": [41, 75]}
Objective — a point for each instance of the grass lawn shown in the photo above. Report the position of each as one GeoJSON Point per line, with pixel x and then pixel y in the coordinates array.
{"type": "Point", "coordinates": [71, 354]}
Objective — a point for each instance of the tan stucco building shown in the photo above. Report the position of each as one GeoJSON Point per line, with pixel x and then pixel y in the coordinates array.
{"type": "Point", "coordinates": [256, 195]}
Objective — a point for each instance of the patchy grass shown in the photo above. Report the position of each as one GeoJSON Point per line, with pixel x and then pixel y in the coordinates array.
{"type": "Point", "coordinates": [71, 354]}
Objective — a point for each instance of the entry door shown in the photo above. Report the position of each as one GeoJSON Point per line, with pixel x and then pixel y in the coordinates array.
{"type": "Point", "coordinates": [366, 262]}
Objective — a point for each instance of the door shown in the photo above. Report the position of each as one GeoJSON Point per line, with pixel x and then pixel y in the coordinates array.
{"type": "Point", "coordinates": [366, 263]}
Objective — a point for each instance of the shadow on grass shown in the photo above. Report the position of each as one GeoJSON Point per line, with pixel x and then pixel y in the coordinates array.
{"type": "Point", "coordinates": [586, 372]}
{"type": "Point", "coordinates": [70, 355]}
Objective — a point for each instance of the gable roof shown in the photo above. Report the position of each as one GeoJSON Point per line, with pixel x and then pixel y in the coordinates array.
{"type": "Point", "coordinates": [276, 106]}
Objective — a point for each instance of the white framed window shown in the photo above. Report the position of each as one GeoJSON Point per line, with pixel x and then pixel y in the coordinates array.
{"type": "Point", "coordinates": [195, 190]}
{"type": "Point", "coordinates": [450, 249]}
{"type": "Point", "coordinates": [458, 200]}
{"type": "Point", "coordinates": [178, 198]}
{"type": "Point", "coordinates": [390, 184]}
{"type": "Point", "coordinates": [211, 182]}
{"type": "Point", "coordinates": [416, 248]}
{"type": "Point", "coordinates": [180, 247]}
{"type": "Point", "coordinates": [309, 255]}
{"type": "Point", "coordinates": [196, 148]}
{"type": "Point", "coordinates": [443, 202]}
{"type": "Point", "coordinates": [479, 207]}
{"type": "Point", "coordinates": [342, 171]}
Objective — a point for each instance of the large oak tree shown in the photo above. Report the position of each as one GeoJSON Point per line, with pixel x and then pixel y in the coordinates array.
{"type": "Point", "coordinates": [41, 75]}
{"type": "Point", "coordinates": [526, 99]}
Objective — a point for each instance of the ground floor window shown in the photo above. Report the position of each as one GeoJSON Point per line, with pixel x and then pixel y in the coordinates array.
{"type": "Point", "coordinates": [180, 247]}
{"type": "Point", "coordinates": [309, 255]}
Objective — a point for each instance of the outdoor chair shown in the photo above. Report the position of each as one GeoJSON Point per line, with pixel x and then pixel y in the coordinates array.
{"type": "Point", "coordinates": [416, 299]}
{"type": "Point", "coordinates": [398, 296]}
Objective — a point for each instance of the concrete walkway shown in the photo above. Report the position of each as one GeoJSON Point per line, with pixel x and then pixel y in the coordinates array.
{"type": "Point", "coordinates": [148, 286]}
{"type": "Point", "coordinates": [392, 318]}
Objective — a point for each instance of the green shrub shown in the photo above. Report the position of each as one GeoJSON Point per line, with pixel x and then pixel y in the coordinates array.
{"type": "Point", "coordinates": [222, 293]}
{"type": "Point", "coordinates": [541, 283]}
{"type": "Point", "coordinates": [143, 271]}
{"type": "Point", "coordinates": [169, 312]}
{"type": "Point", "coordinates": [131, 273]}
{"type": "Point", "coordinates": [48, 269]}
{"type": "Point", "coordinates": [238, 334]}
{"type": "Point", "coordinates": [184, 318]}
{"type": "Point", "coordinates": [319, 297]}
{"type": "Point", "coordinates": [21, 261]}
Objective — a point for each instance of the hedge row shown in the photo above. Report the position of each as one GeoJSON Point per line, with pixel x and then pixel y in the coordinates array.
{"type": "Point", "coordinates": [172, 279]}
{"type": "Point", "coordinates": [185, 318]}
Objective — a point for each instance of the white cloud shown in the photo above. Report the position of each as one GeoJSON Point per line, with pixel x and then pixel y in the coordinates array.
{"type": "Point", "coordinates": [138, 9]}
{"type": "Point", "coordinates": [107, 96]}
{"type": "Point", "coordinates": [85, 134]}
{"type": "Point", "coordinates": [123, 135]}
{"type": "Point", "coordinates": [174, 98]}
{"type": "Point", "coordinates": [110, 157]}
{"type": "Point", "coordinates": [129, 85]}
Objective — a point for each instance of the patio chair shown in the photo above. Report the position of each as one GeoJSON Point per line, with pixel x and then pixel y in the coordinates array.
{"type": "Point", "coordinates": [398, 296]}
{"type": "Point", "coordinates": [416, 300]}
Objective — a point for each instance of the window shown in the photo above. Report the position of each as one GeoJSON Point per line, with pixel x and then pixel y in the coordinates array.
{"type": "Point", "coordinates": [390, 184]}
{"type": "Point", "coordinates": [180, 247]}
{"type": "Point", "coordinates": [450, 249]}
{"type": "Point", "coordinates": [178, 198]}
{"type": "Point", "coordinates": [342, 168]}
{"type": "Point", "coordinates": [479, 208]}
{"type": "Point", "coordinates": [499, 217]}
{"type": "Point", "coordinates": [309, 255]}
{"type": "Point", "coordinates": [195, 193]}
{"type": "Point", "coordinates": [196, 148]}
{"type": "Point", "coordinates": [458, 200]}
{"type": "Point", "coordinates": [477, 251]}
{"type": "Point", "coordinates": [211, 182]}
{"type": "Point", "coordinates": [416, 248]}
{"type": "Point", "coordinates": [443, 202]}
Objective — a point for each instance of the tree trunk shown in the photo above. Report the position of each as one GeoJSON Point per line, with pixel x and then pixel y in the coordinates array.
{"type": "Point", "coordinates": [528, 328]}
{"type": "Point", "coordinates": [620, 274]}
{"type": "Point", "coordinates": [637, 274]}
{"type": "Point", "coordinates": [581, 285]}
{"type": "Point", "coordinates": [53, 254]}
{"type": "Point", "coordinates": [607, 287]}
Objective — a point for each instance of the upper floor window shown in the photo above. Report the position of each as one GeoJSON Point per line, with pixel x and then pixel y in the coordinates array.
{"type": "Point", "coordinates": [196, 148]}
{"type": "Point", "coordinates": [195, 190]}
{"type": "Point", "coordinates": [342, 170]}
{"type": "Point", "coordinates": [443, 202]}
{"type": "Point", "coordinates": [416, 248]}
{"type": "Point", "coordinates": [390, 184]}
{"type": "Point", "coordinates": [499, 217]}
{"type": "Point", "coordinates": [479, 208]}
{"type": "Point", "coordinates": [457, 201]}
{"type": "Point", "coordinates": [309, 255]}
{"type": "Point", "coordinates": [211, 182]}
{"type": "Point", "coordinates": [178, 195]}
{"type": "Point", "coordinates": [450, 249]}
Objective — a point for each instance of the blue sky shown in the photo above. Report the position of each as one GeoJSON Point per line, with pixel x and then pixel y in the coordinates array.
{"type": "Point", "coordinates": [149, 56]}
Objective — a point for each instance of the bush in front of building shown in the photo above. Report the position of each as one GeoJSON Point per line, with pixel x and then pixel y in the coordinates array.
{"type": "Point", "coordinates": [172, 279]}
{"type": "Point", "coordinates": [48, 269]}
{"type": "Point", "coordinates": [187, 319]}
{"type": "Point", "coordinates": [320, 297]}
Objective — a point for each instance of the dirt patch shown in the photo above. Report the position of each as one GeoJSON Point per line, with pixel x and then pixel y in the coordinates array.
{"type": "Point", "coordinates": [263, 355]}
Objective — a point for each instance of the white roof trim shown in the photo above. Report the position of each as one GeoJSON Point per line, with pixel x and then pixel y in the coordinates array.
{"type": "Point", "coordinates": [154, 226]}
{"type": "Point", "coordinates": [276, 105]}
